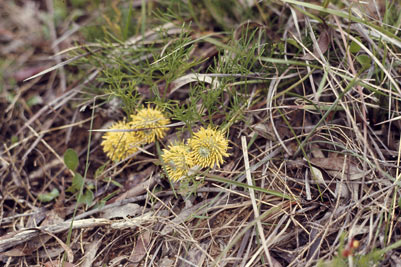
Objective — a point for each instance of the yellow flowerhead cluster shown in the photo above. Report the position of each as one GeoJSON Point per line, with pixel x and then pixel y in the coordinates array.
{"type": "Point", "coordinates": [149, 123]}
{"type": "Point", "coordinates": [177, 161]}
{"type": "Point", "coordinates": [208, 147]}
{"type": "Point", "coordinates": [144, 128]}
{"type": "Point", "coordinates": [119, 144]}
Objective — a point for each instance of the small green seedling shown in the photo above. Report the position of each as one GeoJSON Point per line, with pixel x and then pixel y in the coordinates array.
{"type": "Point", "coordinates": [71, 161]}
{"type": "Point", "coordinates": [47, 197]}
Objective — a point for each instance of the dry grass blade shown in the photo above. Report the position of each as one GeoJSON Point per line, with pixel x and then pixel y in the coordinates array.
{"type": "Point", "coordinates": [252, 195]}
{"type": "Point", "coordinates": [59, 65]}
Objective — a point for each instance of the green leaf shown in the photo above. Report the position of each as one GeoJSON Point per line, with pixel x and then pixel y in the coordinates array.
{"type": "Point", "coordinates": [100, 204]}
{"type": "Point", "coordinates": [34, 100]}
{"type": "Point", "coordinates": [110, 180]}
{"type": "Point", "coordinates": [77, 183]}
{"type": "Point", "coordinates": [294, 43]}
{"type": "Point", "coordinates": [116, 184]}
{"type": "Point", "coordinates": [14, 139]}
{"type": "Point", "coordinates": [364, 60]}
{"type": "Point", "coordinates": [71, 159]}
{"type": "Point", "coordinates": [47, 197]}
{"type": "Point", "coordinates": [354, 47]}
{"type": "Point", "coordinates": [87, 198]}
{"type": "Point", "coordinates": [100, 170]}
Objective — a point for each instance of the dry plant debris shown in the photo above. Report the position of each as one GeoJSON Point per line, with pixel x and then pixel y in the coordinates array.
{"type": "Point", "coordinates": [282, 116]}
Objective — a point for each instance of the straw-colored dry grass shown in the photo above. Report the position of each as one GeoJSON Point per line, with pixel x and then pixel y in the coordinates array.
{"type": "Point", "coordinates": [308, 98]}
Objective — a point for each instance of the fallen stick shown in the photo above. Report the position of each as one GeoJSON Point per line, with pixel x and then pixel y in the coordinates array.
{"type": "Point", "coordinates": [15, 238]}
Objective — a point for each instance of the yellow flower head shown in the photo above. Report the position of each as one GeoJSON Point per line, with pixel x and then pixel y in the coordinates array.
{"type": "Point", "coordinates": [208, 147]}
{"type": "Point", "coordinates": [149, 123]}
{"type": "Point", "coordinates": [178, 161]}
{"type": "Point", "coordinates": [120, 144]}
